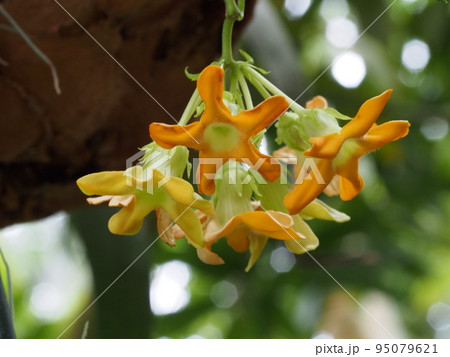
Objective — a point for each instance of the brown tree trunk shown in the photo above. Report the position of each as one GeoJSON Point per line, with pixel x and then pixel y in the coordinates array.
{"type": "Point", "coordinates": [102, 116]}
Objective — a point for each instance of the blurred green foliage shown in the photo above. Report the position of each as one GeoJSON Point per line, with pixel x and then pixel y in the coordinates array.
{"type": "Point", "coordinates": [393, 256]}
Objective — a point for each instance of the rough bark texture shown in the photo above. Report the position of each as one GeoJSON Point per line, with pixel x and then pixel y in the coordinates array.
{"type": "Point", "coordinates": [101, 118]}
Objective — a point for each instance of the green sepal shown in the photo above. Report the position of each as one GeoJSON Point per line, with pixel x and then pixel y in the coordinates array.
{"type": "Point", "coordinates": [337, 114]}
{"type": "Point", "coordinates": [199, 110]}
{"type": "Point", "coordinates": [191, 76]}
{"type": "Point", "coordinates": [257, 244]}
{"type": "Point", "coordinates": [247, 57]}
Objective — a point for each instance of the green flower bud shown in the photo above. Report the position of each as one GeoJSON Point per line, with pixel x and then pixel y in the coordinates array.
{"type": "Point", "coordinates": [234, 188]}
{"type": "Point", "coordinates": [171, 162]}
{"type": "Point", "coordinates": [296, 128]}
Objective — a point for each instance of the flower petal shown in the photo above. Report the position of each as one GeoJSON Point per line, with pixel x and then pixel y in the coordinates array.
{"type": "Point", "coordinates": [351, 182]}
{"type": "Point", "coordinates": [187, 220]}
{"type": "Point", "coordinates": [367, 114]}
{"type": "Point", "coordinates": [251, 122]}
{"type": "Point", "coordinates": [333, 187]}
{"type": "Point", "coordinates": [325, 147]}
{"type": "Point", "coordinates": [104, 183]}
{"type": "Point", "coordinates": [268, 223]}
{"type": "Point", "coordinates": [98, 200]}
{"type": "Point", "coordinates": [320, 210]}
{"type": "Point", "coordinates": [267, 166]}
{"type": "Point", "coordinates": [385, 133]}
{"type": "Point", "coordinates": [208, 257]}
{"type": "Point", "coordinates": [182, 192]}
{"type": "Point", "coordinates": [308, 190]}
{"type": "Point", "coordinates": [300, 246]}
{"type": "Point", "coordinates": [210, 88]}
{"type": "Point", "coordinates": [257, 244]}
{"type": "Point", "coordinates": [205, 175]}
{"type": "Point", "coordinates": [318, 102]}
{"type": "Point", "coordinates": [164, 226]}
{"type": "Point", "coordinates": [168, 136]}
{"type": "Point", "coordinates": [129, 219]}
{"type": "Point", "coordinates": [238, 239]}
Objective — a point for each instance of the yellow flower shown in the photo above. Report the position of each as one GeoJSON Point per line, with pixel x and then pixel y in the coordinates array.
{"type": "Point", "coordinates": [221, 135]}
{"type": "Point", "coordinates": [338, 153]}
{"type": "Point", "coordinates": [139, 192]}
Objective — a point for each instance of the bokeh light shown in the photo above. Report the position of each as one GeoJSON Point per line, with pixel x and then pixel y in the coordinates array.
{"type": "Point", "coordinates": [434, 128]}
{"type": "Point", "coordinates": [295, 9]}
{"type": "Point", "coordinates": [341, 32]}
{"type": "Point", "coordinates": [224, 294]}
{"type": "Point", "coordinates": [415, 55]}
{"type": "Point", "coordinates": [168, 290]}
{"type": "Point", "coordinates": [282, 260]}
{"type": "Point", "coordinates": [349, 69]}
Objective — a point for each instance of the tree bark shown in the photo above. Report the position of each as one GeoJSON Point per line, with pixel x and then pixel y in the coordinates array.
{"type": "Point", "coordinates": [102, 116]}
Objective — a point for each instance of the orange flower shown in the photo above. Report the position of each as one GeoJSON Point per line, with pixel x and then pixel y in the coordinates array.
{"type": "Point", "coordinates": [221, 135]}
{"type": "Point", "coordinates": [338, 153]}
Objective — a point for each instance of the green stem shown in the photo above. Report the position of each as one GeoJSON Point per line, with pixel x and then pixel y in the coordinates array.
{"type": "Point", "coordinates": [191, 107]}
{"type": "Point", "coordinates": [227, 39]}
{"type": "Point", "coordinates": [255, 76]}
{"type": "Point", "coordinates": [245, 91]}
{"type": "Point", "coordinates": [234, 12]}
{"type": "Point", "coordinates": [258, 86]}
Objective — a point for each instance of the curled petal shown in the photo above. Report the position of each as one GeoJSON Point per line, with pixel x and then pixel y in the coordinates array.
{"type": "Point", "coordinates": [98, 200]}
{"type": "Point", "coordinates": [207, 256]}
{"type": "Point", "coordinates": [163, 224]}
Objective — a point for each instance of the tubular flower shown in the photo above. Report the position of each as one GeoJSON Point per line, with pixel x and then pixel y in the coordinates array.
{"type": "Point", "coordinates": [248, 230]}
{"type": "Point", "coordinates": [139, 192]}
{"type": "Point", "coordinates": [219, 135]}
{"type": "Point", "coordinates": [338, 153]}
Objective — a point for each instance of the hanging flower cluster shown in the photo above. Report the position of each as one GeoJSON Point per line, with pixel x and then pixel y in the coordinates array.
{"type": "Point", "coordinates": [249, 196]}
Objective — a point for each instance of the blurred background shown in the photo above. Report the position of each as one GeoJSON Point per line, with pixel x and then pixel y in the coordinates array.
{"type": "Point", "coordinates": [393, 256]}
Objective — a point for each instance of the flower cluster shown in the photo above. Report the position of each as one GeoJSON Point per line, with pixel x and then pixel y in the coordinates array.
{"type": "Point", "coordinates": [249, 196]}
